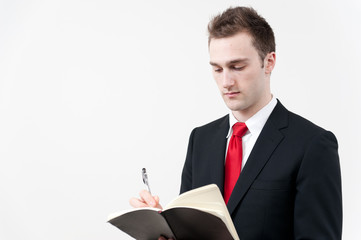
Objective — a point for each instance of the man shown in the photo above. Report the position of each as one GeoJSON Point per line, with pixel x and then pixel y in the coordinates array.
{"type": "Point", "coordinates": [287, 182]}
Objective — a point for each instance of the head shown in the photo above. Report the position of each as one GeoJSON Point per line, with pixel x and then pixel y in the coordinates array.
{"type": "Point", "coordinates": [242, 55]}
{"type": "Point", "coordinates": [243, 19]}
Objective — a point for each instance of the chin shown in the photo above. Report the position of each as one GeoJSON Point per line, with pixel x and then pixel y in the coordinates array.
{"type": "Point", "coordinates": [235, 108]}
{"type": "Point", "coordinates": [236, 104]}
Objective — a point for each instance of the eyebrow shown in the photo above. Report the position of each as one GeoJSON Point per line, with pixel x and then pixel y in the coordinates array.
{"type": "Point", "coordinates": [238, 60]}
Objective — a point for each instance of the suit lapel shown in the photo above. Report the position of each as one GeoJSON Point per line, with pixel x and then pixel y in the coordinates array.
{"type": "Point", "coordinates": [217, 153]}
{"type": "Point", "coordinates": [265, 145]}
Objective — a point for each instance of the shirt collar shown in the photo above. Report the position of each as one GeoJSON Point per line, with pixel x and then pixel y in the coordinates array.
{"type": "Point", "coordinates": [257, 121]}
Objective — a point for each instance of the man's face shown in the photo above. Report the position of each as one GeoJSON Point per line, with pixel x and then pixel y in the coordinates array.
{"type": "Point", "coordinates": [237, 68]}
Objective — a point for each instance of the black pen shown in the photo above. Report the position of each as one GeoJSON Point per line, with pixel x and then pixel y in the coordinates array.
{"type": "Point", "coordinates": [145, 179]}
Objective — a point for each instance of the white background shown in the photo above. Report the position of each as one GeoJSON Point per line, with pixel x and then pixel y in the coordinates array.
{"type": "Point", "coordinates": [93, 91]}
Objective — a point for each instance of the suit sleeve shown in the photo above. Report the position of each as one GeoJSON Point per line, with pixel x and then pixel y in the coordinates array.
{"type": "Point", "coordinates": [318, 199]}
{"type": "Point", "coordinates": [186, 183]}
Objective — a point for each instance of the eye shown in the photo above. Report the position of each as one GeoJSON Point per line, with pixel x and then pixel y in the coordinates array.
{"type": "Point", "coordinates": [217, 69]}
{"type": "Point", "coordinates": [238, 68]}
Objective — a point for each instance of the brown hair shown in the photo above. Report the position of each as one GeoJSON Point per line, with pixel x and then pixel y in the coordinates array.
{"type": "Point", "coordinates": [243, 19]}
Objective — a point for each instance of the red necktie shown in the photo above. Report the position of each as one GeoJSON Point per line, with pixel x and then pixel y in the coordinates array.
{"type": "Point", "coordinates": [233, 159]}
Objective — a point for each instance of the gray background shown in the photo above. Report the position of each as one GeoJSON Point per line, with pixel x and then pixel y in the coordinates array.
{"type": "Point", "coordinates": [92, 91]}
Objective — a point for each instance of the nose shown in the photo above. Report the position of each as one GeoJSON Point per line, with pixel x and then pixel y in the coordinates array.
{"type": "Point", "coordinates": [228, 80]}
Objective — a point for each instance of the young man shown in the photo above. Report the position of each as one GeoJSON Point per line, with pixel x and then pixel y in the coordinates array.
{"type": "Point", "coordinates": [280, 175]}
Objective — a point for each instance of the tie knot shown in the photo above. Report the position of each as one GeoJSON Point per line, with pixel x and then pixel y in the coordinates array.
{"type": "Point", "coordinates": [239, 129]}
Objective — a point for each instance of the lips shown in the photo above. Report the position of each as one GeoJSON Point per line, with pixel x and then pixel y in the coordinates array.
{"type": "Point", "coordinates": [231, 94]}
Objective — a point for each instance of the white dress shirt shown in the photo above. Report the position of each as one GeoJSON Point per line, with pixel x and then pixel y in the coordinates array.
{"type": "Point", "coordinates": [255, 125]}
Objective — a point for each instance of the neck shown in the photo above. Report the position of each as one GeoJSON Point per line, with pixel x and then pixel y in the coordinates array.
{"type": "Point", "coordinates": [245, 114]}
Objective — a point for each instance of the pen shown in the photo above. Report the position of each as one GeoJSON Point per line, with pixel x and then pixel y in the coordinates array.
{"type": "Point", "coordinates": [145, 179]}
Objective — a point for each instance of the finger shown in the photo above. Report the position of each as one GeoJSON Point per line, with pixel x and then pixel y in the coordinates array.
{"type": "Point", "coordinates": [163, 238]}
{"type": "Point", "coordinates": [156, 198]}
{"type": "Point", "coordinates": [148, 198]}
{"type": "Point", "coordinates": [137, 203]}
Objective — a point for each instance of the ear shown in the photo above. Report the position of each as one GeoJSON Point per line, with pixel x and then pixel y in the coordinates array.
{"type": "Point", "coordinates": [270, 62]}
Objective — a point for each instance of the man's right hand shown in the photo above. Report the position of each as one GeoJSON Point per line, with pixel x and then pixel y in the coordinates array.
{"type": "Point", "coordinates": [163, 238]}
{"type": "Point", "coordinates": [145, 200]}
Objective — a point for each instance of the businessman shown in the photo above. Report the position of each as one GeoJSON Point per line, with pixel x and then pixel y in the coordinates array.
{"type": "Point", "coordinates": [279, 173]}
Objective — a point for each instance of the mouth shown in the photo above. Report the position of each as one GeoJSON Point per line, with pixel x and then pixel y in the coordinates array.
{"type": "Point", "coordinates": [231, 94]}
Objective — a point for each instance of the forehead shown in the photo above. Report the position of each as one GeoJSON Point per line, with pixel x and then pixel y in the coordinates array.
{"type": "Point", "coordinates": [224, 50]}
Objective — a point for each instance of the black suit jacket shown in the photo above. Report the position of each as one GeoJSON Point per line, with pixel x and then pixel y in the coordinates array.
{"type": "Point", "coordinates": [290, 187]}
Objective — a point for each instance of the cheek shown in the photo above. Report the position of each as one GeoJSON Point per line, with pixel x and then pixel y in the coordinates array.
{"type": "Point", "coordinates": [248, 83]}
{"type": "Point", "coordinates": [252, 77]}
